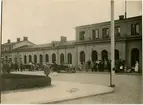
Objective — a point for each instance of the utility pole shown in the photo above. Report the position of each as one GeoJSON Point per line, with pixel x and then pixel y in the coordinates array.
{"type": "Point", "coordinates": [112, 72]}
{"type": "Point", "coordinates": [0, 49]}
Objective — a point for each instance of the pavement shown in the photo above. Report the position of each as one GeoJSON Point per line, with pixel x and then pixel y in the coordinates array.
{"type": "Point", "coordinates": [128, 88]}
{"type": "Point", "coordinates": [59, 91]}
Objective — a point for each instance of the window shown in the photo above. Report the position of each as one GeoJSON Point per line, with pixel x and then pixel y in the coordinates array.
{"type": "Point", "coordinates": [117, 31]}
{"type": "Point", "coordinates": [95, 34]}
{"type": "Point", "coordinates": [135, 29]}
{"type": "Point", "coordinates": [62, 58]}
{"type": "Point", "coordinates": [82, 35]}
{"type": "Point", "coordinates": [69, 58]}
{"type": "Point", "coordinates": [53, 58]}
{"type": "Point", "coordinates": [30, 58]}
{"type": "Point", "coordinates": [47, 57]}
{"type": "Point", "coordinates": [35, 59]}
{"type": "Point", "coordinates": [41, 58]}
{"type": "Point", "coordinates": [105, 32]}
{"type": "Point", "coordinates": [25, 59]}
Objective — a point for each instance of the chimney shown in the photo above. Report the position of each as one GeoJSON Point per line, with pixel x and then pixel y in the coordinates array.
{"type": "Point", "coordinates": [18, 39]}
{"type": "Point", "coordinates": [8, 41]}
{"type": "Point", "coordinates": [25, 38]}
{"type": "Point", "coordinates": [121, 17]}
{"type": "Point", "coordinates": [63, 39]}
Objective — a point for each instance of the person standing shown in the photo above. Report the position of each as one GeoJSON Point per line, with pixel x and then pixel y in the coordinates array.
{"type": "Point", "coordinates": [92, 66]}
{"type": "Point", "coordinates": [137, 67]}
{"type": "Point", "coordinates": [46, 69]}
{"type": "Point", "coordinates": [95, 66]}
{"type": "Point", "coordinates": [79, 66]}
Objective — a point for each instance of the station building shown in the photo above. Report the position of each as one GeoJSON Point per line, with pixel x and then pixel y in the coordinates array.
{"type": "Point", "coordinates": [93, 42]}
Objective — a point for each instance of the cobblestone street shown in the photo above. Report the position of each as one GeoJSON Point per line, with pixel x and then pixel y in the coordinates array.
{"type": "Point", "coordinates": [127, 90]}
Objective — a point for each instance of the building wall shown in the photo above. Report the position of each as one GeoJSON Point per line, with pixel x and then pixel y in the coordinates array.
{"type": "Point", "coordinates": [134, 44]}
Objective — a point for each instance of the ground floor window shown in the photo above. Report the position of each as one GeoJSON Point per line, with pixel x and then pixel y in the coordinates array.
{"type": "Point", "coordinates": [47, 58]}
{"type": "Point", "coordinates": [25, 59]}
{"type": "Point", "coordinates": [53, 58]}
{"type": "Point", "coordinates": [62, 58]}
{"type": "Point", "coordinates": [116, 54]}
{"type": "Point", "coordinates": [30, 58]}
{"type": "Point", "coordinates": [41, 58]}
{"type": "Point", "coordinates": [35, 59]}
{"type": "Point", "coordinates": [69, 58]}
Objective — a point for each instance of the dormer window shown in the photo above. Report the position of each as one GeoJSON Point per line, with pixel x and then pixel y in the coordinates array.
{"type": "Point", "coordinates": [105, 32]}
{"type": "Point", "coordinates": [95, 34]}
{"type": "Point", "coordinates": [135, 29]}
{"type": "Point", "coordinates": [82, 35]}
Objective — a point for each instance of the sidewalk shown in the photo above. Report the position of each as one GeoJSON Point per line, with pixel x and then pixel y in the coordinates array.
{"type": "Point", "coordinates": [59, 91]}
{"type": "Point", "coordinates": [105, 72]}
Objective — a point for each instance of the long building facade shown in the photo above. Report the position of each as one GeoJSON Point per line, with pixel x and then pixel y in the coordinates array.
{"type": "Point", "coordinates": [93, 42]}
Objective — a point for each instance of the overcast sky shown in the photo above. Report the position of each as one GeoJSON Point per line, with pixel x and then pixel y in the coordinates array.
{"type": "Point", "coordinates": [43, 21]}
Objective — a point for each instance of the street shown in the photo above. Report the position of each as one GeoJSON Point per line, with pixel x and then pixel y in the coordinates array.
{"type": "Point", "coordinates": [127, 90]}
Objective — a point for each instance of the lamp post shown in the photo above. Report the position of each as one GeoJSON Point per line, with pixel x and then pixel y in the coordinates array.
{"type": "Point", "coordinates": [112, 72]}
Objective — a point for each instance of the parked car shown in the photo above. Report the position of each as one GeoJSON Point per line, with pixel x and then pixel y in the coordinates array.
{"type": "Point", "coordinates": [62, 68]}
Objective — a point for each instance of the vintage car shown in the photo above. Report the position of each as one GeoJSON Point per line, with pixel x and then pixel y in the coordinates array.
{"type": "Point", "coordinates": [62, 68]}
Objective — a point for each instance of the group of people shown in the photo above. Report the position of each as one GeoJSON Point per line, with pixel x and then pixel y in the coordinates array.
{"type": "Point", "coordinates": [94, 65]}
{"type": "Point", "coordinates": [8, 66]}
{"type": "Point", "coordinates": [100, 65]}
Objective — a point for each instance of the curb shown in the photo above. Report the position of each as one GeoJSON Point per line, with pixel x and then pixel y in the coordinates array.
{"type": "Point", "coordinates": [64, 100]}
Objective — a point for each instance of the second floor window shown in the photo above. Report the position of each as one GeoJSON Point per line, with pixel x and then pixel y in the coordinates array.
{"type": "Point", "coordinates": [117, 31]}
{"type": "Point", "coordinates": [82, 35]}
{"type": "Point", "coordinates": [95, 34]}
{"type": "Point", "coordinates": [135, 29]}
{"type": "Point", "coordinates": [105, 32]}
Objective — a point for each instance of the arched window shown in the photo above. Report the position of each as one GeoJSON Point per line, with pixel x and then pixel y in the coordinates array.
{"type": "Point", "coordinates": [25, 59]}
{"type": "Point", "coordinates": [41, 58]}
{"type": "Point", "coordinates": [30, 58]}
{"type": "Point", "coordinates": [62, 58]}
{"type": "Point", "coordinates": [94, 55]}
{"type": "Point", "coordinates": [116, 54]}
{"type": "Point", "coordinates": [82, 57]}
{"type": "Point", "coordinates": [47, 58]}
{"type": "Point", "coordinates": [69, 58]}
{"type": "Point", "coordinates": [53, 58]}
{"type": "Point", "coordinates": [104, 55]}
{"type": "Point", "coordinates": [35, 59]}
{"type": "Point", "coordinates": [134, 56]}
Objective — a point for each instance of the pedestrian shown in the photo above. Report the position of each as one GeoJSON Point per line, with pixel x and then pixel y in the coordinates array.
{"type": "Point", "coordinates": [137, 67]}
{"type": "Point", "coordinates": [46, 69]}
{"type": "Point", "coordinates": [102, 66]}
{"type": "Point", "coordinates": [9, 67]}
{"type": "Point", "coordinates": [109, 65]}
{"type": "Point", "coordinates": [92, 66]}
{"type": "Point", "coordinates": [86, 67]}
{"type": "Point", "coordinates": [95, 66]}
{"type": "Point", "coordinates": [79, 66]}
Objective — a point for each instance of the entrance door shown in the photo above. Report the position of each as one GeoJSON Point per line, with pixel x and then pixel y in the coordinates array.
{"type": "Point", "coordinates": [82, 57]}
{"type": "Point", "coordinates": [134, 56]}
{"type": "Point", "coordinates": [104, 55]}
{"type": "Point", "coordinates": [94, 55]}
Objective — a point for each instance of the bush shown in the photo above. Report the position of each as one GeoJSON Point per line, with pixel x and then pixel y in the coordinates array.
{"type": "Point", "coordinates": [18, 81]}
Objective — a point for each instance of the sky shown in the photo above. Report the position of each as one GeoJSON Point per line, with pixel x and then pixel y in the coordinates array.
{"type": "Point", "coordinates": [43, 21]}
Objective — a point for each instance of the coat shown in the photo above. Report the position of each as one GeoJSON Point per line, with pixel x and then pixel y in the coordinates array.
{"type": "Point", "coordinates": [46, 70]}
